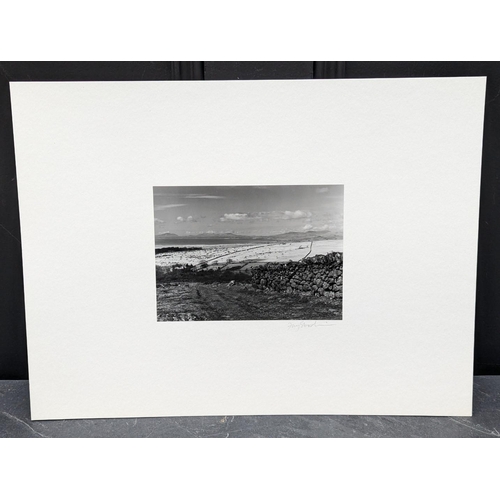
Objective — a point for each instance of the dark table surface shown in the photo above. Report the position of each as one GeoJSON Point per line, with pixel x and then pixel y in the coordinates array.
{"type": "Point", "coordinates": [15, 422]}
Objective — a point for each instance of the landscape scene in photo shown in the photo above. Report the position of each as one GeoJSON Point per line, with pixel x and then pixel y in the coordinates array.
{"type": "Point", "coordinates": [249, 252]}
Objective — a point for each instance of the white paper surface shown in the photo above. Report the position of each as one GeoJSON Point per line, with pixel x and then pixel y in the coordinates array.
{"type": "Point", "coordinates": [408, 152]}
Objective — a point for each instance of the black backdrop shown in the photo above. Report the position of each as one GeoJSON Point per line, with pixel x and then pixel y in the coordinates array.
{"type": "Point", "coordinates": [13, 358]}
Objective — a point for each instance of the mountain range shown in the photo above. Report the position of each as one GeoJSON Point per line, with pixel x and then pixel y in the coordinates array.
{"type": "Point", "coordinates": [289, 236]}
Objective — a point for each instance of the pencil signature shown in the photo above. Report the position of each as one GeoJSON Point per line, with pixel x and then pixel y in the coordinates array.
{"type": "Point", "coordinates": [299, 325]}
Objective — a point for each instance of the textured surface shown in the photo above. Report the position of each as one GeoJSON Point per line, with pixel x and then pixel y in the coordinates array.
{"type": "Point", "coordinates": [15, 422]}
{"type": "Point", "coordinates": [487, 340]}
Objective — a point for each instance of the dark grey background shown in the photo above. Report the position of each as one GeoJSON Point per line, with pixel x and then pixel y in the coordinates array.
{"type": "Point", "coordinates": [13, 360]}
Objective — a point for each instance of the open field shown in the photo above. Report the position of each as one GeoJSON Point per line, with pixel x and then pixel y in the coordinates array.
{"type": "Point", "coordinates": [248, 255]}
{"type": "Point", "coordinates": [215, 283]}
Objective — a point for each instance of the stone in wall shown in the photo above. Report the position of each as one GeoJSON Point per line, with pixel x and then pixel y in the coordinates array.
{"type": "Point", "coordinates": [320, 275]}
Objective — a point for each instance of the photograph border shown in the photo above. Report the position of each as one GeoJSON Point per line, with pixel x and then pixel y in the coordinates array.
{"type": "Point", "coordinates": [292, 255]}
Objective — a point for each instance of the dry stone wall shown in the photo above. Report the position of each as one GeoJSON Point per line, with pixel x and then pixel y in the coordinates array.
{"type": "Point", "coordinates": [318, 275]}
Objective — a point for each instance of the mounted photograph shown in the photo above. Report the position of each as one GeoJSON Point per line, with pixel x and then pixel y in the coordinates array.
{"type": "Point", "coordinates": [249, 252]}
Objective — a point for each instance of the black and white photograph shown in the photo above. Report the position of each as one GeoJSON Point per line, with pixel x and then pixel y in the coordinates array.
{"type": "Point", "coordinates": [249, 252]}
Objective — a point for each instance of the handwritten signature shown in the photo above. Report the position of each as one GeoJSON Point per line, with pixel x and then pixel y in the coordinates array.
{"type": "Point", "coordinates": [298, 325]}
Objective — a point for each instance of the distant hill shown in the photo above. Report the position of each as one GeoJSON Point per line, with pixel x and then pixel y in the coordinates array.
{"type": "Point", "coordinates": [305, 236]}
{"type": "Point", "coordinates": [283, 237]}
{"type": "Point", "coordinates": [173, 236]}
{"type": "Point", "coordinates": [167, 235]}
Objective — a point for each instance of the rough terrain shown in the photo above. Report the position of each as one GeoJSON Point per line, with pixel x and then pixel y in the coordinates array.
{"type": "Point", "coordinates": [195, 301]}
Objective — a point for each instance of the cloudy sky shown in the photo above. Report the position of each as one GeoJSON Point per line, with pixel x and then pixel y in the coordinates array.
{"type": "Point", "coordinates": [249, 210]}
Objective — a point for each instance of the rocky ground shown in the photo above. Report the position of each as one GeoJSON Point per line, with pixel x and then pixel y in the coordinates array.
{"type": "Point", "coordinates": [197, 301]}
{"type": "Point", "coordinates": [309, 289]}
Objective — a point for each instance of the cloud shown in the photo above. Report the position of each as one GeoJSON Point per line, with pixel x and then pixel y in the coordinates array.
{"type": "Point", "coordinates": [297, 214]}
{"type": "Point", "coordinates": [227, 217]}
{"type": "Point", "coordinates": [274, 215]}
{"type": "Point", "coordinates": [203, 197]}
{"type": "Point", "coordinates": [158, 220]}
{"type": "Point", "coordinates": [189, 218]}
{"type": "Point", "coordinates": [322, 190]}
{"type": "Point", "coordinates": [324, 227]}
{"type": "Point", "coordinates": [281, 215]}
{"type": "Point", "coordinates": [163, 207]}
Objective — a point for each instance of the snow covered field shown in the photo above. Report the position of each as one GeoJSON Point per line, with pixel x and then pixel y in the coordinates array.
{"type": "Point", "coordinates": [217, 255]}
